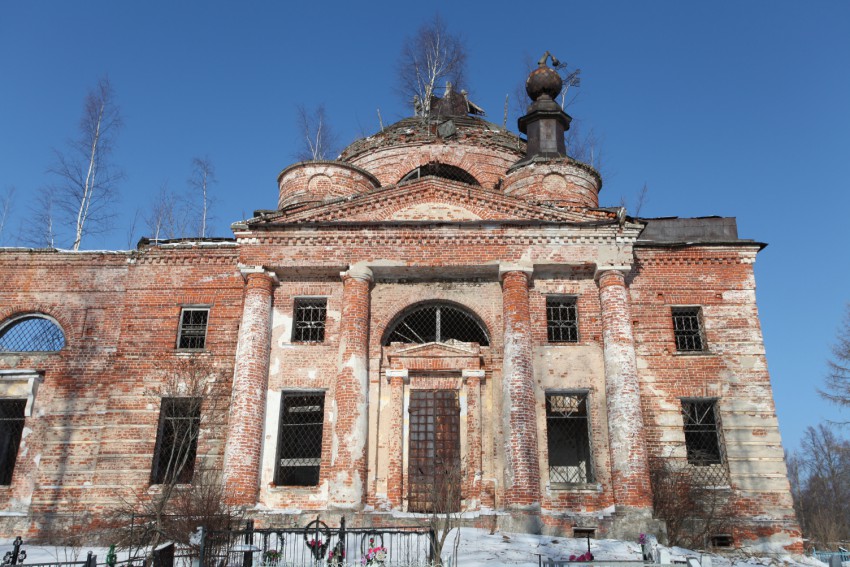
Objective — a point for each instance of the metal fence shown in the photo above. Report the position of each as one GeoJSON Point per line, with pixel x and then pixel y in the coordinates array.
{"type": "Point", "coordinates": [316, 544]}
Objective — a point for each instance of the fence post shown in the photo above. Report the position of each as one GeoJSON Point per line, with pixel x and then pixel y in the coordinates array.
{"type": "Point", "coordinates": [202, 533]}
{"type": "Point", "coordinates": [91, 560]}
{"type": "Point", "coordinates": [432, 535]}
{"type": "Point", "coordinates": [248, 557]}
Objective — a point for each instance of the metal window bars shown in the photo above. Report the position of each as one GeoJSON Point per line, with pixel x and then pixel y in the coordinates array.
{"type": "Point", "coordinates": [32, 334]}
{"type": "Point", "coordinates": [310, 315]}
{"type": "Point", "coordinates": [702, 442]}
{"type": "Point", "coordinates": [193, 328]}
{"type": "Point", "coordinates": [687, 329]}
{"type": "Point", "coordinates": [299, 452]}
{"type": "Point", "coordinates": [568, 438]}
{"type": "Point", "coordinates": [440, 170]}
{"type": "Point", "coordinates": [561, 319]}
{"type": "Point", "coordinates": [437, 323]}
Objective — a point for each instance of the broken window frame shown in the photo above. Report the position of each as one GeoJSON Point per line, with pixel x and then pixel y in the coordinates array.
{"type": "Point", "coordinates": [688, 328]}
{"type": "Point", "coordinates": [585, 470]}
{"type": "Point", "coordinates": [406, 330]}
{"type": "Point", "coordinates": [563, 329]}
{"type": "Point", "coordinates": [298, 463]}
{"type": "Point", "coordinates": [192, 335]}
{"type": "Point", "coordinates": [309, 330]}
{"type": "Point", "coordinates": [49, 335]}
{"type": "Point", "coordinates": [173, 458]}
{"type": "Point", "coordinates": [12, 418]}
{"type": "Point", "coordinates": [701, 427]}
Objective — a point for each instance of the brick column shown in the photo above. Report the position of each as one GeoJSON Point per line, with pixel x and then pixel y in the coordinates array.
{"type": "Point", "coordinates": [351, 394]}
{"type": "Point", "coordinates": [395, 445]}
{"type": "Point", "coordinates": [474, 449]}
{"type": "Point", "coordinates": [626, 434]}
{"type": "Point", "coordinates": [522, 469]}
{"type": "Point", "coordinates": [248, 400]}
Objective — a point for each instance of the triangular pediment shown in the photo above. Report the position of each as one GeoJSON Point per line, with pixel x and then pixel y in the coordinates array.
{"type": "Point", "coordinates": [436, 350]}
{"type": "Point", "coordinates": [431, 199]}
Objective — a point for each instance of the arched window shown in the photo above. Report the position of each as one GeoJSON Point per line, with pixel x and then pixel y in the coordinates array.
{"type": "Point", "coordinates": [31, 333]}
{"type": "Point", "coordinates": [441, 170]}
{"type": "Point", "coordinates": [437, 323]}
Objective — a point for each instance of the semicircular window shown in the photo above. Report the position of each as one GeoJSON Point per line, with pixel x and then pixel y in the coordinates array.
{"type": "Point", "coordinates": [31, 333]}
{"type": "Point", "coordinates": [441, 170]}
{"type": "Point", "coordinates": [437, 323]}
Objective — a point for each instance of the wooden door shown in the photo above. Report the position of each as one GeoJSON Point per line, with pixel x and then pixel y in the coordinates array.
{"type": "Point", "coordinates": [434, 467]}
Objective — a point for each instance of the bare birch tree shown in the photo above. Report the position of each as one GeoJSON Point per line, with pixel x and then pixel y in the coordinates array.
{"type": "Point", "coordinates": [432, 56]}
{"type": "Point", "coordinates": [203, 177]}
{"type": "Point", "coordinates": [87, 186]}
{"type": "Point", "coordinates": [318, 140]}
{"type": "Point", "coordinates": [164, 219]}
{"type": "Point", "coordinates": [39, 230]}
{"type": "Point", "coordinates": [6, 202]}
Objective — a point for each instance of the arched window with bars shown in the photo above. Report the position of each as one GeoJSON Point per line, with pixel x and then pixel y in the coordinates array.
{"type": "Point", "coordinates": [34, 332]}
{"type": "Point", "coordinates": [437, 323]}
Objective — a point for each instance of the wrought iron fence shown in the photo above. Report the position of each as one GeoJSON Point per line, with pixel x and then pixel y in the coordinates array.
{"type": "Point", "coordinates": [316, 544]}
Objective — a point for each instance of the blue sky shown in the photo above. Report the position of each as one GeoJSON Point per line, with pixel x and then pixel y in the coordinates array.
{"type": "Point", "coordinates": [721, 108]}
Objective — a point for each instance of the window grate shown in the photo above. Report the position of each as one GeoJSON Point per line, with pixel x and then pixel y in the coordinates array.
{"type": "Point", "coordinates": [702, 442]}
{"type": "Point", "coordinates": [437, 323]}
{"type": "Point", "coordinates": [193, 328]}
{"type": "Point", "coordinates": [687, 329]}
{"type": "Point", "coordinates": [177, 441]}
{"type": "Point", "coordinates": [568, 438]}
{"type": "Point", "coordinates": [434, 465]}
{"type": "Point", "coordinates": [11, 427]}
{"type": "Point", "coordinates": [441, 170]}
{"type": "Point", "coordinates": [562, 319]}
{"type": "Point", "coordinates": [299, 447]}
{"type": "Point", "coordinates": [32, 334]}
{"type": "Point", "coordinates": [310, 315]}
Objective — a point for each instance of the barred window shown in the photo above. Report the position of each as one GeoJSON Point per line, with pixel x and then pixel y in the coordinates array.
{"type": "Point", "coordinates": [562, 319]}
{"type": "Point", "coordinates": [687, 329]}
{"type": "Point", "coordinates": [299, 444]}
{"type": "Point", "coordinates": [568, 438]}
{"type": "Point", "coordinates": [440, 170]}
{"type": "Point", "coordinates": [310, 315]}
{"type": "Point", "coordinates": [437, 323]}
{"type": "Point", "coordinates": [31, 333]}
{"type": "Point", "coordinates": [11, 427]}
{"type": "Point", "coordinates": [192, 334]}
{"type": "Point", "coordinates": [702, 439]}
{"type": "Point", "coordinates": [176, 441]}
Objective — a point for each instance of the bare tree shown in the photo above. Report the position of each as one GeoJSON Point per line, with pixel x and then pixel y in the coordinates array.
{"type": "Point", "coordinates": [6, 202]}
{"type": "Point", "coordinates": [167, 216]}
{"type": "Point", "coordinates": [39, 230]}
{"type": "Point", "coordinates": [837, 389]}
{"type": "Point", "coordinates": [820, 485]}
{"type": "Point", "coordinates": [87, 186]}
{"type": "Point", "coordinates": [203, 177]}
{"type": "Point", "coordinates": [692, 510]}
{"type": "Point", "coordinates": [430, 57]}
{"type": "Point", "coordinates": [318, 140]}
{"type": "Point", "coordinates": [445, 507]}
{"type": "Point", "coordinates": [189, 490]}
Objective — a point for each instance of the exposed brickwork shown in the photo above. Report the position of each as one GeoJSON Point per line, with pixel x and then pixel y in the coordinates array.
{"type": "Point", "coordinates": [522, 475]}
{"type": "Point", "coordinates": [321, 181]}
{"type": "Point", "coordinates": [560, 182]}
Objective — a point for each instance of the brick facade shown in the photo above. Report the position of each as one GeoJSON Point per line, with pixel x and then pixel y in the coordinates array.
{"type": "Point", "coordinates": [427, 284]}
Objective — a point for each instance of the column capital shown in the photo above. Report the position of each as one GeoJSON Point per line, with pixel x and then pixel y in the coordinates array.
{"type": "Point", "coordinates": [248, 271]}
{"type": "Point", "coordinates": [467, 374]}
{"type": "Point", "coordinates": [358, 272]}
{"type": "Point", "coordinates": [402, 373]}
{"type": "Point", "coordinates": [506, 268]}
{"type": "Point", "coordinates": [623, 269]}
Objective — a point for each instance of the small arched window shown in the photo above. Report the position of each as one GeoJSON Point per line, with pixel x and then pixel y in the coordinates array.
{"type": "Point", "coordinates": [31, 333]}
{"type": "Point", "coordinates": [441, 170]}
{"type": "Point", "coordinates": [437, 323]}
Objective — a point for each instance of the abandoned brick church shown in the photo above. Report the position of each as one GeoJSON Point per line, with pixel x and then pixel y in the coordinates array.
{"type": "Point", "coordinates": [444, 306]}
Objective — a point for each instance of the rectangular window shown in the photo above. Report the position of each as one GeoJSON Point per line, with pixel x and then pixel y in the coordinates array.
{"type": "Point", "coordinates": [193, 328]}
{"type": "Point", "coordinates": [562, 319]}
{"type": "Point", "coordinates": [687, 329]}
{"type": "Point", "coordinates": [299, 444]}
{"type": "Point", "coordinates": [702, 440]}
{"type": "Point", "coordinates": [11, 427]}
{"type": "Point", "coordinates": [568, 438]}
{"type": "Point", "coordinates": [309, 326]}
{"type": "Point", "coordinates": [176, 441]}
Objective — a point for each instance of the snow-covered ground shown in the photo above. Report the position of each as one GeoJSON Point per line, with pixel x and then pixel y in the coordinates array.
{"type": "Point", "coordinates": [479, 548]}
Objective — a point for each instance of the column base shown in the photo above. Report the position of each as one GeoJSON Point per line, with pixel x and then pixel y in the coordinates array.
{"type": "Point", "coordinates": [629, 523]}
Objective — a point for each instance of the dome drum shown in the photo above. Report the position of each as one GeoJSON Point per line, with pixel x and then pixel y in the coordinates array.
{"type": "Point", "coordinates": [560, 182]}
{"type": "Point", "coordinates": [322, 181]}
